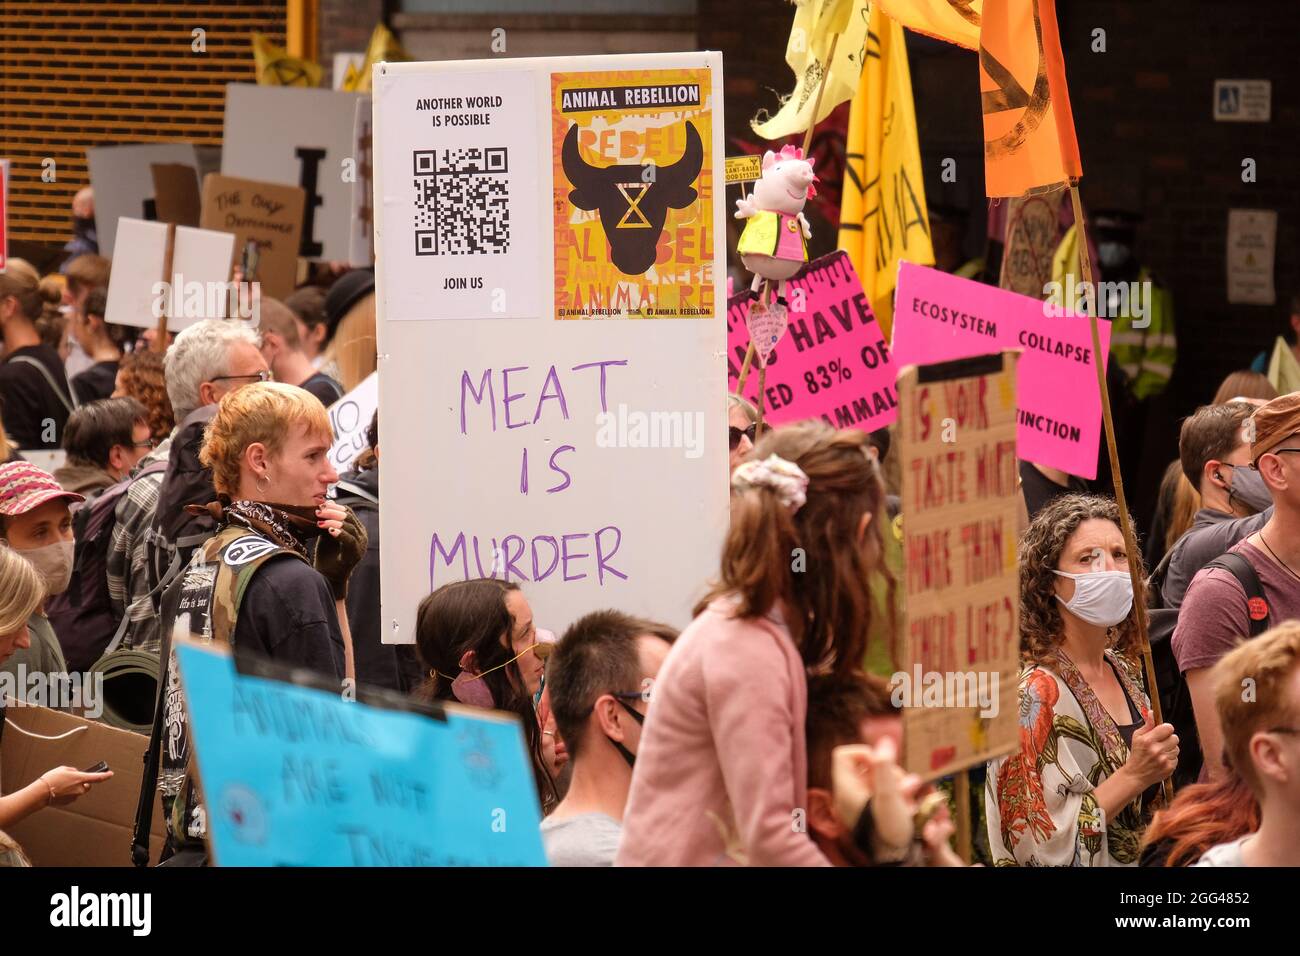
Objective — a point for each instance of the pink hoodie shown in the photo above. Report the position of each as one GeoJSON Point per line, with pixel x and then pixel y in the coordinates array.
{"type": "Point", "coordinates": [722, 766]}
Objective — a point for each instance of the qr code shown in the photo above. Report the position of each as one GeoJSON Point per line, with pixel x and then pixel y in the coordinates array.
{"type": "Point", "coordinates": [462, 202]}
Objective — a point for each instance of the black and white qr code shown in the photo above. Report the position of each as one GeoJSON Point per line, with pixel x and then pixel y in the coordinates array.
{"type": "Point", "coordinates": [462, 202]}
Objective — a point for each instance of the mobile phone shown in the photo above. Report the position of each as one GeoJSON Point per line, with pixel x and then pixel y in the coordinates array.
{"type": "Point", "coordinates": [98, 768]}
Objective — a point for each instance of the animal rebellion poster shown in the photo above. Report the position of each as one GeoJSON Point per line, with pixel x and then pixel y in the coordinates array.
{"type": "Point", "coordinates": [634, 193]}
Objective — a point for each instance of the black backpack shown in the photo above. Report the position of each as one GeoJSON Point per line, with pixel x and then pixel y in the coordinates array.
{"type": "Point", "coordinates": [174, 534]}
{"type": "Point", "coordinates": [1175, 698]}
{"type": "Point", "coordinates": [83, 615]}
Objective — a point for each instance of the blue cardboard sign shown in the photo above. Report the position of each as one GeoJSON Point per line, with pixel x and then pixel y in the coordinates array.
{"type": "Point", "coordinates": [293, 776]}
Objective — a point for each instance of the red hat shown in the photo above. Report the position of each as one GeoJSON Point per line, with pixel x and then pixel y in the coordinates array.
{"type": "Point", "coordinates": [23, 487]}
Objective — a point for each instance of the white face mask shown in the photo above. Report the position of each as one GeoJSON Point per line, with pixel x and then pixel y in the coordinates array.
{"type": "Point", "coordinates": [1103, 598]}
{"type": "Point", "coordinates": [54, 561]}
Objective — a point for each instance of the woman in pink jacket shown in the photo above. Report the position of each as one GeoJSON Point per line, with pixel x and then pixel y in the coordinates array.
{"type": "Point", "coordinates": [721, 774]}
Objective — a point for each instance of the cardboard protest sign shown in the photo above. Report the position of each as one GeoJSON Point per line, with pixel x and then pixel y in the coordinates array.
{"type": "Point", "coordinates": [1033, 234]}
{"type": "Point", "coordinates": [267, 214]}
{"type": "Point", "coordinates": [939, 317]}
{"type": "Point", "coordinates": [633, 165]}
{"type": "Point", "coordinates": [198, 286]}
{"type": "Point", "coordinates": [350, 418]}
{"type": "Point", "coordinates": [296, 137]}
{"type": "Point", "coordinates": [123, 180]}
{"type": "Point", "coordinates": [94, 830]}
{"type": "Point", "coordinates": [296, 776]}
{"type": "Point", "coordinates": [586, 459]}
{"type": "Point", "coordinates": [362, 237]}
{"type": "Point", "coordinates": [832, 363]}
{"type": "Point", "coordinates": [957, 448]}
{"type": "Point", "coordinates": [176, 193]}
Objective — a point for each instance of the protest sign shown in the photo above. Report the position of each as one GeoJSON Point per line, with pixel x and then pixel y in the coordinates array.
{"type": "Point", "coordinates": [4, 203]}
{"type": "Point", "coordinates": [1033, 235]}
{"type": "Point", "coordinates": [96, 829]}
{"type": "Point", "coordinates": [296, 776]}
{"type": "Point", "coordinates": [297, 137]}
{"type": "Point", "coordinates": [175, 193]}
{"type": "Point", "coordinates": [586, 460]}
{"type": "Point", "coordinates": [743, 169]}
{"type": "Point", "coordinates": [198, 286]}
{"type": "Point", "coordinates": [832, 363]}
{"type": "Point", "coordinates": [123, 180]}
{"type": "Point", "coordinates": [265, 213]}
{"type": "Point", "coordinates": [362, 236]}
{"type": "Point", "coordinates": [939, 317]}
{"type": "Point", "coordinates": [633, 165]}
{"type": "Point", "coordinates": [350, 419]}
{"type": "Point", "coordinates": [957, 449]}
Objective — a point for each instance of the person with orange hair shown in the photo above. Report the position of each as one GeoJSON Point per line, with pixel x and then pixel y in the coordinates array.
{"type": "Point", "coordinates": [272, 581]}
{"type": "Point", "coordinates": [1257, 695]}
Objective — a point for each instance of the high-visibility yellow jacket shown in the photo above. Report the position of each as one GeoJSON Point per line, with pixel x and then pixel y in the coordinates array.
{"type": "Point", "coordinates": [1144, 346]}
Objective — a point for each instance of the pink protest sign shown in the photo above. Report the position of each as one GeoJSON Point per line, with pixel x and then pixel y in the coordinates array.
{"type": "Point", "coordinates": [832, 362]}
{"type": "Point", "coordinates": [939, 317]}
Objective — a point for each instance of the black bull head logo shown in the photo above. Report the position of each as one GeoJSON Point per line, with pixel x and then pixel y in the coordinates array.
{"type": "Point", "coordinates": [633, 200]}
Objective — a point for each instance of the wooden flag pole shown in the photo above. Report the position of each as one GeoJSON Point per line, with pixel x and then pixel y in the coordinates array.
{"type": "Point", "coordinates": [160, 340]}
{"type": "Point", "coordinates": [1126, 527]}
{"type": "Point", "coordinates": [744, 368]}
{"type": "Point", "coordinates": [807, 143]}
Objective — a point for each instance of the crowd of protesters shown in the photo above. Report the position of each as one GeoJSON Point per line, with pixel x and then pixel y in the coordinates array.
{"type": "Point", "coordinates": [764, 733]}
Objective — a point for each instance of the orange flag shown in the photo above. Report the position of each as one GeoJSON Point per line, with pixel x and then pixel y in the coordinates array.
{"type": "Point", "coordinates": [1029, 141]}
{"type": "Point", "coordinates": [956, 21]}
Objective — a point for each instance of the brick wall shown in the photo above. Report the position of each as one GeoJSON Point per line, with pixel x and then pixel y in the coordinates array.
{"type": "Point", "coordinates": [345, 26]}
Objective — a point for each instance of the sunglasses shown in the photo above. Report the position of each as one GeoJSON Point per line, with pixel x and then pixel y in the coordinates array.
{"type": "Point", "coordinates": [734, 435]}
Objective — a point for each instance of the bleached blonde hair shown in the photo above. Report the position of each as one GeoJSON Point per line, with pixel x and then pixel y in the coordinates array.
{"type": "Point", "coordinates": [262, 412]}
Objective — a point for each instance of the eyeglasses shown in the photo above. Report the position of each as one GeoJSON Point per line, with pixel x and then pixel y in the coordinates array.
{"type": "Point", "coordinates": [623, 697]}
{"type": "Point", "coordinates": [1281, 451]}
{"type": "Point", "coordinates": [734, 435]}
{"type": "Point", "coordinates": [262, 376]}
{"type": "Point", "coordinates": [147, 443]}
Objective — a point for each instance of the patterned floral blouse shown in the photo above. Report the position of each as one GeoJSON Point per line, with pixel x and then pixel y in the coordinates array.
{"type": "Point", "coordinates": [1039, 800]}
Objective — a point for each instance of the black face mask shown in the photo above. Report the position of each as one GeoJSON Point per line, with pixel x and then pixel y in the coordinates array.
{"type": "Point", "coordinates": [640, 719]}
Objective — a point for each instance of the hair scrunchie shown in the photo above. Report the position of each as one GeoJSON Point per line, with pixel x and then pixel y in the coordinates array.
{"type": "Point", "coordinates": [774, 472]}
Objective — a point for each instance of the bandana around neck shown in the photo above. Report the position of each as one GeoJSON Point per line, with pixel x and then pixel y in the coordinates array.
{"type": "Point", "coordinates": [290, 526]}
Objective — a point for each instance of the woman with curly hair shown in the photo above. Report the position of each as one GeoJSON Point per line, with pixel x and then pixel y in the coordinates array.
{"type": "Point", "coordinates": [140, 376]}
{"type": "Point", "coordinates": [1090, 754]}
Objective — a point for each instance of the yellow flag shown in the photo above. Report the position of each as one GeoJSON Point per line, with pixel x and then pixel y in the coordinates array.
{"type": "Point", "coordinates": [883, 216]}
{"type": "Point", "coordinates": [383, 48]}
{"type": "Point", "coordinates": [956, 21]}
{"type": "Point", "coordinates": [816, 24]}
{"type": "Point", "coordinates": [275, 67]}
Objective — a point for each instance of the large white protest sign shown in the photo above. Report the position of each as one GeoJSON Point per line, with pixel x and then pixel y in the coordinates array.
{"type": "Point", "coordinates": [583, 460]}
{"type": "Point", "coordinates": [350, 419]}
{"type": "Point", "coordinates": [198, 286]}
{"type": "Point", "coordinates": [296, 137]}
{"type": "Point", "coordinates": [123, 181]}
